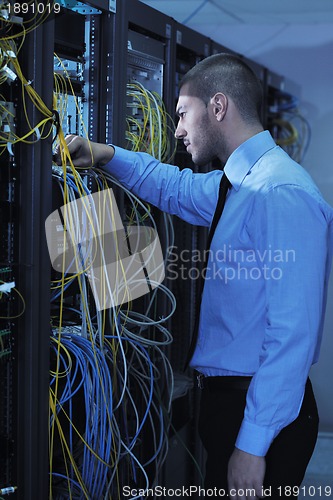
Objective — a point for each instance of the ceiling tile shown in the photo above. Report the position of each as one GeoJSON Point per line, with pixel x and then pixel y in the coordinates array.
{"type": "Point", "coordinates": [196, 12]}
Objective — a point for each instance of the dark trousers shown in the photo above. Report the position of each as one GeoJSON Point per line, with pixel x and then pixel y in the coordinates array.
{"type": "Point", "coordinates": [221, 414]}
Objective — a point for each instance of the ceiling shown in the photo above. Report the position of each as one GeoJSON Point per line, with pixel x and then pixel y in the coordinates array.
{"type": "Point", "coordinates": [197, 12]}
{"type": "Point", "coordinates": [286, 36]}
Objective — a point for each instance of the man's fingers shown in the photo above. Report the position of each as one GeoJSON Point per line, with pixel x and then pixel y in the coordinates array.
{"type": "Point", "coordinates": [75, 145]}
{"type": "Point", "coordinates": [84, 153]}
{"type": "Point", "coordinates": [246, 474]}
{"type": "Point", "coordinates": [259, 491]}
{"type": "Point", "coordinates": [70, 137]}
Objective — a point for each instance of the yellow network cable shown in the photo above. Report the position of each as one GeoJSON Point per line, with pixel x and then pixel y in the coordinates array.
{"type": "Point", "coordinates": [44, 128]}
{"type": "Point", "coordinates": [66, 199]}
{"type": "Point", "coordinates": [148, 127]}
{"type": "Point", "coordinates": [25, 16]}
{"type": "Point", "coordinates": [54, 412]}
{"type": "Point", "coordinates": [65, 372]}
{"type": "Point", "coordinates": [148, 124]}
{"type": "Point", "coordinates": [290, 132]}
{"type": "Point", "coordinates": [22, 300]}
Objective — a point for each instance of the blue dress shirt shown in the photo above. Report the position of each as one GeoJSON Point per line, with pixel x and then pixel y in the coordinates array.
{"type": "Point", "coordinates": [265, 292]}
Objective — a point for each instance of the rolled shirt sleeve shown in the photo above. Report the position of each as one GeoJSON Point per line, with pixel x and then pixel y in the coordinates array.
{"type": "Point", "coordinates": [188, 195]}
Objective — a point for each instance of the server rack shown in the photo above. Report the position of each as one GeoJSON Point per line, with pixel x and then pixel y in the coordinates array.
{"type": "Point", "coordinates": [26, 188]}
{"type": "Point", "coordinates": [76, 103]}
{"type": "Point", "coordinates": [186, 455]}
{"type": "Point", "coordinates": [33, 346]}
{"type": "Point", "coordinates": [8, 274]}
{"type": "Point", "coordinates": [273, 86]}
{"type": "Point", "coordinates": [106, 114]}
{"type": "Point", "coordinates": [137, 57]}
{"type": "Point", "coordinates": [191, 47]}
{"type": "Point", "coordinates": [155, 25]}
{"type": "Point", "coordinates": [24, 458]}
{"type": "Point", "coordinates": [288, 126]}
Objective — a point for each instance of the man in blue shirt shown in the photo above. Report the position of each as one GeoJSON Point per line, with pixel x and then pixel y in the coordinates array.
{"type": "Point", "coordinates": [264, 297]}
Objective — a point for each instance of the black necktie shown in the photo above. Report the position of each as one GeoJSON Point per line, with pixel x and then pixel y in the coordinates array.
{"type": "Point", "coordinates": [223, 190]}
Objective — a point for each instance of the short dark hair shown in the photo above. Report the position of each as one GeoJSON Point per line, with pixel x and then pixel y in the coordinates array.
{"type": "Point", "coordinates": [229, 74]}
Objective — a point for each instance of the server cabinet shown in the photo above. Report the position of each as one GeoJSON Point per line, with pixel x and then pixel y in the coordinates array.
{"type": "Point", "coordinates": [150, 70]}
{"type": "Point", "coordinates": [25, 202]}
{"type": "Point", "coordinates": [191, 47]}
{"type": "Point", "coordinates": [124, 64]}
{"type": "Point", "coordinates": [273, 85]}
{"type": "Point", "coordinates": [116, 423]}
{"type": "Point", "coordinates": [154, 25]}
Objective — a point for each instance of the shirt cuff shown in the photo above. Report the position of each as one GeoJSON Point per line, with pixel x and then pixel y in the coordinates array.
{"type": "Point", "coordinates": [122, 158]}
{"type": "Point", "coordinates": [255, 439]}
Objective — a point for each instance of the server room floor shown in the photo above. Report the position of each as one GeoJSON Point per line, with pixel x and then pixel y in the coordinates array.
{"type": "Point", "coordinates": [319, 474]}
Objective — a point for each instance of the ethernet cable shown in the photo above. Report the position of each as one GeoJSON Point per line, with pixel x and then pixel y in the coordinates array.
{"type": "Point", "coordinates": [122, 396]}
{"type": "Point", "coordinates": [117, 341]}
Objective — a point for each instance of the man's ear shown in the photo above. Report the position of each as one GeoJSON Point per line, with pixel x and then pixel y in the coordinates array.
{"type": "Point", "coordinates": [219, 104]}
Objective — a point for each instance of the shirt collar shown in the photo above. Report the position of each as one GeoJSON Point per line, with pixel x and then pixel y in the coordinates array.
{"type": "Point", "coordinates": [245, 156]}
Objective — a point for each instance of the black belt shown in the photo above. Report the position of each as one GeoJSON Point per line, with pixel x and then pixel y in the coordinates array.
{"type": "Point", "coordinates": [223, 382]}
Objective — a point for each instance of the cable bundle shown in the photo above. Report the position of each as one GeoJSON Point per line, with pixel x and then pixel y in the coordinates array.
{"type": "Point", "coordinates": [110, 386]}
{"type": "Point", "coordinates": [290, 128]}
{"type": "Point", "coordinates": [148, 125]}
{"type": "Point", "coordinates": [111, 383]}
{"type": "Point", "coordinates": [36, 132]}
{"type": "Point", "coordinates": [110, 363]}
{"type": "Point", "coordinates": [115, 358]}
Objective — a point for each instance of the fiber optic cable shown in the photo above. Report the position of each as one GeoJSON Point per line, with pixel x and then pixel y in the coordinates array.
{"type": "Point", "coordinates": [108, 343]}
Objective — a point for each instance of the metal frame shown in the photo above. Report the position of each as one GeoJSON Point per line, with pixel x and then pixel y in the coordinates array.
{"type": "Point", "coordinates": [33, 342]}
{"type": "Point", "coordinates": [114, 58]}
{"type": "Point", "coordinates": [146, 19]}
{"type": "Point", "coordinates": [192, 40]}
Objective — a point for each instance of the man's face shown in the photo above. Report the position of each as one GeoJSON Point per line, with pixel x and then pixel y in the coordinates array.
{"type": "Point", "coordinates": [196, 128]}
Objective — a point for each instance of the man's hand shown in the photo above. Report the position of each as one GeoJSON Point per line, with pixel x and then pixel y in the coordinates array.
{"type": "Point", "coordinates": [246, 474]}
{"type": "Point", "coordinates": [85, 153]}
